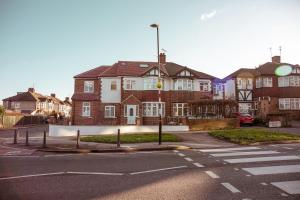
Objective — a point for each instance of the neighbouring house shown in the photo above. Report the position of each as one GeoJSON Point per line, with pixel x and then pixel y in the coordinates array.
{"type": "Point", "coordinates": [126, 93]}
{"type": "Point", "coordinates": [34, 103]}
{"type": "Point", "coordinates": [261, 92]}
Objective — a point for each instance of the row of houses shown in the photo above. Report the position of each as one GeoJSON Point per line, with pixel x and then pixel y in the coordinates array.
{"type": "Point", "coordinates": [127, 93]}
{"type": "Point", "coordinates": [34, 103]}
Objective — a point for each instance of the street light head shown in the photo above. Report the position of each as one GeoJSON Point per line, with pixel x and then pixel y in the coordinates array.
{"type": "Point", "coordinates": [154, 25]}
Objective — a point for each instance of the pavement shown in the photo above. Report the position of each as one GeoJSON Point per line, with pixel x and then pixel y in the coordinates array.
{"type": "Point", "coordinates": [244, 173]}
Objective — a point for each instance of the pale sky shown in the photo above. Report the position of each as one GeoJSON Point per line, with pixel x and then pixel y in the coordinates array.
{"type": "Point", "coordinates": [46, 42]}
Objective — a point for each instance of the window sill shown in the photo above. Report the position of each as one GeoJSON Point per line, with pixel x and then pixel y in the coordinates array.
{"type": "Point", "coordinates": [110, 117]}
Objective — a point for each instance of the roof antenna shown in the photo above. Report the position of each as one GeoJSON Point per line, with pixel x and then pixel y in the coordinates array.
{"type": "Point", "coordinates": [163, 50]}
{"type": "Point", "coordinates": [280, 51]}
{"type": "Point", "coordinates": [271, 52]}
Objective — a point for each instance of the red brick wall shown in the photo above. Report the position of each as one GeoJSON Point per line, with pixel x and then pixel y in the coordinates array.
{"type": "Point", "coordinates": [78, 119]}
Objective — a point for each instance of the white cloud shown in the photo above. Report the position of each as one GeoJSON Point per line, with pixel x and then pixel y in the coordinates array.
{"type": "Point", "coordinates": [206, 16]}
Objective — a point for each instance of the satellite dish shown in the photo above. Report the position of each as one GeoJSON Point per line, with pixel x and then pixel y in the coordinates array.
{"type": "Point", "coordinates": [283, 70]}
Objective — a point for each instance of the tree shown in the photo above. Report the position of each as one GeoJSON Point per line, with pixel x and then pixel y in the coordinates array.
{"type": "Point", "coordinates": [2, 111]}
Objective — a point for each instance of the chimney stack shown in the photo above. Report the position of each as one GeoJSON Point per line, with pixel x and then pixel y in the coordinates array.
{"type": "Point", "coordinates": [162, 58]}
{"type": "Point", "coordinates": [67, 99]}
{"type": "Point", "coordinates": [31, 90]}
{"type": "Point", "coordinates": [53, 95]}
{"type": "Point", "coordinates": [276, 59]}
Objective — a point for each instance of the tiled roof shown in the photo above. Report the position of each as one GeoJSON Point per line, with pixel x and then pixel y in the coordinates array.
{"type": "Point", "coordinates": [270, 67]}
{"type": "Point", "coordinates": [134, 68]}
{"type": "Point", "coordinates": [85, 97]}
{"type": "Point", "coordinates": [93, 73]}
{"type": "Point", "coordinates": [24, 96]}
{"type": "Point", "coordinates": [241, 70]}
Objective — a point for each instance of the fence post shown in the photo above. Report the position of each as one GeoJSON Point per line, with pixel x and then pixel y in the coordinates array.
{"type": "Point", "coordinates": [26, 143]}
{"type": "Point", "coordinates": [44, 139]}
{"type": "Point", "coordinates": [118, 139]}
{"type": "Point", "coordinates": [78, 138]}
{"type": "Point", "coordinates": [15, 136]}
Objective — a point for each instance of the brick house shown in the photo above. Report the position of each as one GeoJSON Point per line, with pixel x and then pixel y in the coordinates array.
{"type": "Point", "coordinates": [34, 103]}
{"type": "Point", "coordinates": [260, 91]}
{"type": "Point", "coordinates": [126, 93]}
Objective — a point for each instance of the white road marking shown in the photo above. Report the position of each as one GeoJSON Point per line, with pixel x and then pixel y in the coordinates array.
{"type": "Point", "coordinates": [231, 187]}
{"type": "Point", "coordinates": [156, 170]}
{"type": "Point", "coordinates": [96, 173]}
{"type": "Point", "coordinates": [19, 156]}
{"type": "Point", "coordinates": [181, 154]}
{"type": "Point", "coordinates": [198, 165]}
{"type": "Point", "coordinates": [263, 183]}
{"type": "Point", "coordinates": [229, 149]}
{"type": "Point", "coordinates": [236, 169]}
{"type": "Point", "coordinates": [273, 169]}
{"type": "Point", "coordinates": [245, 153]}
{"type": "Point", "coordinates": [61, 155]}
{"type": "Point", "coordinates": [32, 175]}
{"type": "Point", "coordinates": [188, 159]}
{"type": "Point", "coordinates": [211, 174]}
{"type": "Point", "coordinates": [175, 151]}
{"type": "Point", "coordinates": [248, 175]}
{"type": "Point", "coordinates": [289, 148]}
{"type": "Point", "coordinates": [290, 187]}
{"type": "Point", "coordinates": [261, 159]}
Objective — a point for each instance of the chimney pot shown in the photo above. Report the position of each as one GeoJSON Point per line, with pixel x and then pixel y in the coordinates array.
{"type": "Point", "coordinates": [52, 94]}
{"type": "Point", "coordinates": [162, 58]}
{"type": "Point", "coordinates": [276, 59]}
{"type": "Point", "coordinates": [31, 90]}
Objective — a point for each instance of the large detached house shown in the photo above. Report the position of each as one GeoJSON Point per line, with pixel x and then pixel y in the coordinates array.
{"type": "Point", "coordinates": [126, 93]}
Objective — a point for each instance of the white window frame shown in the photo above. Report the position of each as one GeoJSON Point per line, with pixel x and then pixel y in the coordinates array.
{"type": "Point", "coordinates": [183, 84]}
{"type": "Point", "coordinates": [289, 103]}
{"type": "Point", "coordinates": [150, 83]}
{"type": "Point", "coordinates": [110, 111]}
{"type": "Point", "coordinates": [88, 86]}
{"type": "Point", "coordinates": [258, 82]}
{"type": "Point", "coordinates": [151, 109]}
{"type": "Point", "coordinates": [130, 84]}
{"type": "Point", "coordinates": [204, 85]}
{"type": "Point", "coordinates": [267, 82]}
{"type": "Point", "coordinates": [86, 109]}
{"type": "Point", "coordinates": [180, 109]}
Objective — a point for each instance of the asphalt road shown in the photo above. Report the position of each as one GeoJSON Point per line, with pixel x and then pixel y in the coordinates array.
{"type": "Point", "coordinates": [188, 174]}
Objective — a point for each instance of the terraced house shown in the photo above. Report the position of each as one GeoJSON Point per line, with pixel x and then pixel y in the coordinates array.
{"type": "Point", "coordinates": [126, 93]}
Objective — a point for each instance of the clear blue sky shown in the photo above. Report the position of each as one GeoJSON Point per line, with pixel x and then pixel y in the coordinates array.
{"type": "Point", "coordinates": [47, 42]}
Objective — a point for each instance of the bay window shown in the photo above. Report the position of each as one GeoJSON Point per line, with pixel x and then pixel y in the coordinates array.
{"type": "Point", "coordinates": [151, 109]}
{"type": "Point", "coordinates": [180, 109]}
{"type": "Point", "coordinates": [183, 84]}
{"type": "Point", "coordinates": [204, 85]}
{"type": "Point", "coordinates": [150, 83]}
{"type": "Point", "coordinates": [289, 103]}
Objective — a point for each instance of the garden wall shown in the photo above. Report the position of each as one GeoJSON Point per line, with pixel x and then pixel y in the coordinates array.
{"type": "Point", "coordinates": [57, 130]}
{"type": "Point", "coordinates": [213, 124]}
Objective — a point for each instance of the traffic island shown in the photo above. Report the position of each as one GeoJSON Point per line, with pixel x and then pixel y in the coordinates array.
{"type": "Point", "coordinates": [255, 136]}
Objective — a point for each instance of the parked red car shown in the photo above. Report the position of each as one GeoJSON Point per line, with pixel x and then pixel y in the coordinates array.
{"type": "Point", "coordinates": [245, 118]}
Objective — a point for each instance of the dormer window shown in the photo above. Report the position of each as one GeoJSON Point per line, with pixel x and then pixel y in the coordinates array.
{"type": "Point", "coordinates": [185, 73]}
{"type": "Point", "coordinates": [88, 86]}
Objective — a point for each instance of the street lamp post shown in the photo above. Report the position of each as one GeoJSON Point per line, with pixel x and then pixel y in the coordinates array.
{"type": "Point", "coordinates": [159, 81]}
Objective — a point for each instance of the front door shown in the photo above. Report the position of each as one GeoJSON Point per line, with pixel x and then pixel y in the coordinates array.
{"type": "Point", "coordinates": [131, 114]}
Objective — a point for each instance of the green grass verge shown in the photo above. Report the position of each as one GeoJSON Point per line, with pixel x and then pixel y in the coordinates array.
{"type": "Point", "coordinates": [131, 138]}
{"type": "Point", "coordinates": [249, 136]}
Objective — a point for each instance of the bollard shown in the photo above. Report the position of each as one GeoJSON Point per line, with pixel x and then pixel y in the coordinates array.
{"type": "Point", "coordinates": [78, 138]}
{"type": "Point", "coordinates": [26, 143]}
{"type": "Point", "coordinates": [15, 136]}
{"type": "Point", "coordinates": [44, 139]}
{"type": "Point", "coordinates": [118, 139]}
